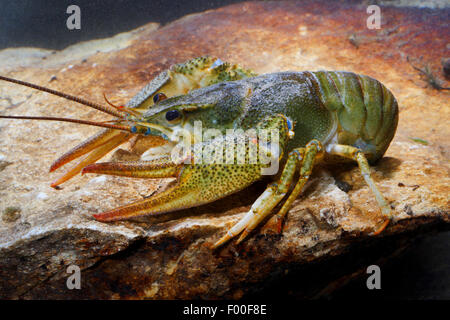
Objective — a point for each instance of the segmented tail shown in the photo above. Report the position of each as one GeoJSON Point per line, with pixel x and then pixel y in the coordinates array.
{"type": "Point", "coordinates": [366, 110]}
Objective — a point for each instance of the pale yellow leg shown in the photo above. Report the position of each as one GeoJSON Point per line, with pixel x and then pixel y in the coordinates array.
{"type": "Point", "coordinates": [312, 151]}
{"type": "Point", "coordinates": [266, 202]}
{"type": "Point", "coordinates": [357, 155]}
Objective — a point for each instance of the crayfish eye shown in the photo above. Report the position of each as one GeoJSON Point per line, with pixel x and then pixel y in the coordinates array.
{"type": "Point", "coordinates": [159, 97]}
{"type": "Point", "coordinates": [172, 115]}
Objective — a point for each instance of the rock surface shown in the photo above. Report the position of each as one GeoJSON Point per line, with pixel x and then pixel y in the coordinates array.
{"type": "Point", "coordinates": [43, 231]}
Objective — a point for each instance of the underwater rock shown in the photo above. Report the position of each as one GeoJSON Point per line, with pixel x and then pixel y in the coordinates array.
{"type": "Point", "coordinates": [168, 257]}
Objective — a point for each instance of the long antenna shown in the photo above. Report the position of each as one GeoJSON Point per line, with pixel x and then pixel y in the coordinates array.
{"type": "Point", "coordinates": [105, 109]}
{"type": "Point", "coordinates": [87, 122]}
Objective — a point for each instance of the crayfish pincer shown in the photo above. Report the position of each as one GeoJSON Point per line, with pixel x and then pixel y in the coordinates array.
{"type": "Point", "coordinates": [225, 127]}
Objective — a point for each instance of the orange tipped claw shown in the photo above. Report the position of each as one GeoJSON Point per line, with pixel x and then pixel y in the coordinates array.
{"type": "Point", "coordinates": [195, 186]}
{"type": "Point", "coordinates": [98, 152]}
{"type": "Point", "coordinates": [92, 143]}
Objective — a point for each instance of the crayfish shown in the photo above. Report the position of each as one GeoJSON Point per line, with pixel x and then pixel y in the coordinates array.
{"type": "Point", "coordinates": [278, 124]}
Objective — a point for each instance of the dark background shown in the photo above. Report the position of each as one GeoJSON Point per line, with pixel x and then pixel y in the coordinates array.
{"type": "Point", "coordinates": [420, 273]}
{"type": "Point", "coordinates": [42, 23]}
